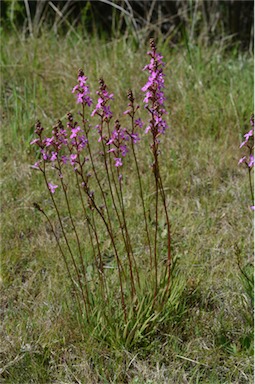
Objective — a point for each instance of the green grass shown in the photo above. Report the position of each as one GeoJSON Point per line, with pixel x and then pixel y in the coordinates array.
{"type": "Point", "coordinates": [209, 100]}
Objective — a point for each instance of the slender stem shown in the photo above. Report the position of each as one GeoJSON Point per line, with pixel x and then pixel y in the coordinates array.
{"type": "Point", "coordinates": [64, 257]}
{"type": "Point", "coordinates": [125, 239]}
{"type": "Point", "coordinates": [66, 240]}
{"type": "Point", "coordinates": [251, 189]}
{"type": "Point", "coordinates": [142, 199]}
{"type": "Point", "coordinates": [169, 257]}
{"type": "Point", "coordinates": [93, 227]}
{"type": "Point", "coordinates": [155, 169]}
{"type": "Point", "coordinates": [77, 238]}
{"type": "Point", "coordinates": [108, 225]}
{"type": "Point", "coordinates": [133, 290]}
{"type": "Point", "coordinates": [119, 265]}
{"type": "Point", "coordinates": [117, 258]}
{"type": "Point", "coordinates": [132, 115]}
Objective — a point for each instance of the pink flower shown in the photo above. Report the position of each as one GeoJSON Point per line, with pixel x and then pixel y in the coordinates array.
{"type": "Point", "coordinates": [251, 162]}
{"type": "Point", "coordinates": [36, 165]}
{"type": "Point", "coordinates": [74, 132]}
{"type": "Point", "coordinates": [242, 160]}
{"type": "Point", "coordinates": [48, 141]}
{"type": "Point", "coordinates": [135, 138]}
{"type": "Point", "coordinates": [54, 156]}
{"type": "Point", "coordinates": [81, 142]}
{"type": "Point", "coordinates": [64, 159]}
{"type": "Point", "coordinates": [35, 141]}
{"type": "Point", "coordinates": [44, 155]}
{"type": "Point", "coordinates": [124, 150]}
{"type": "Point", "coordinates": [52, 187]}
{"type": "Point", "coordinates": [72, 158]}
{"type": "Point", "coordinates": [118, 162]}
{"type": "Point", "coordinates": [111, 150]}
{"type": "Point", "coordinates": [247, 136]}
{"type": "Point", "coordinates": [139, 123]}
{"type": "Point", "coordinates": [101, 108]}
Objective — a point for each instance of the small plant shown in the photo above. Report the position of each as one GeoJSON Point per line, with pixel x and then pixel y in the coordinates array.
{"type": "Point", "coordinates": [121, 279]}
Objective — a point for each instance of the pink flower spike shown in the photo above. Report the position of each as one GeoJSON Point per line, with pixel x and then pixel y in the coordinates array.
{"type": "Point", "coordinates": [252, 207]}
{"type": "Point", "coordinates": [52, 187]}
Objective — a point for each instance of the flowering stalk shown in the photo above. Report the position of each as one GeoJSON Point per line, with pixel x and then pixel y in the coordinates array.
{"type": "Point", "coordinates": [134, 139]}
{"type": "Point", "coordinates": [63, 255]}
{"type": "Point", "coordinates": [50, 148]}
{"type": "Point", "coordinates": [83, 98]}
{"type": "Point", "coordinates": [119, 150]}
{"type": "Point", "coordinates": [92, 226]}
{"type": "Point", "coordinates": [117, 139]}
{"type": "Point", "coordinates": [248, 160]}
{"type": "Point", "coordinates": [154, 103]}
{"type": "Point", "coordinates": [108, 225]}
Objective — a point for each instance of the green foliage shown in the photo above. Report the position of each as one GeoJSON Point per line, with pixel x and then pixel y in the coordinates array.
{"type": "Point", "coordinates": [144, 318]}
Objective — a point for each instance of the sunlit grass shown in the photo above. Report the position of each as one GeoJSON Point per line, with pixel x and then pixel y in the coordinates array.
{"type": "Point", "coordinates": [209, 100]}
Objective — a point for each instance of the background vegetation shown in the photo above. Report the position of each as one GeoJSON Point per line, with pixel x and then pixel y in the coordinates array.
{"type": "Point", "coordinates": [203, 21]}
{"type": "Point", "coordinates": [209, 83]}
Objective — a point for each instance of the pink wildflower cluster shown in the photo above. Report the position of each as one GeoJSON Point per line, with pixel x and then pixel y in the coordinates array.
{"type": "Point", "coordinates": [78, 140]}
{"type": "Point", "coordinates": [102, 109]}
{"type": "Point", "coordinates": [120, 136]}
{"type": "Point", "coordinates": [154, 95]}
{"type": "Point", "coordinates": [50, 146]}
{"type": "Point", "coordinates": [118, 140]}
{"type": "Point", "coordinates": [82, 90]}
{"type": "Point", "coordinates": [137, 123]}
{"type": "Point", "coordinates": [61, 148]}
{"type": "Point", "coordinates": [66, 144]}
